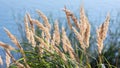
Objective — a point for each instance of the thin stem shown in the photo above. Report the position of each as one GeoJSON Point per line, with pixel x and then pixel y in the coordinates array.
{"type": "Point", "coordinates": [87, 60]}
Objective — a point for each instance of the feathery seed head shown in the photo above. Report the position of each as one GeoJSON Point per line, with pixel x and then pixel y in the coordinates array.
{"type": "Point", "coordinates": [6, 46]}
{"type": "Point", "coordinates": [87, 35]}
{"type": "Point", "coordinates": [56, 34]}
{"type": "Point", "coordinates": [68, 15]}
{"type": "Point", "coordinates": [13, 38]}
{"type": "Point", "coordinates": [27, 28]}
{"type": "Point", "coordinates": [31, 24]}
{"type": "Point", "coordinates": [79, 37]}
{"type": "Point", "coordinates": [32, 39]}
{"type": "Point", "coordinates": [45, 19]}
{"type": "Point", "coordinates": [101, 33]}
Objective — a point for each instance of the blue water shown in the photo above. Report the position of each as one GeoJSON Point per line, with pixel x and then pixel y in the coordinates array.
{"type": "Point", "coordinates": [12, 11]}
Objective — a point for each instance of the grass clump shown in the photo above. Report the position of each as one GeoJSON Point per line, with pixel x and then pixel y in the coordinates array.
{"type": "Point", "coordinates": [54, 49]}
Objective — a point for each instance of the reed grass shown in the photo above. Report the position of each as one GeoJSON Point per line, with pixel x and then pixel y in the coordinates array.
{"type": "Point", "coordinates": [55, 50]}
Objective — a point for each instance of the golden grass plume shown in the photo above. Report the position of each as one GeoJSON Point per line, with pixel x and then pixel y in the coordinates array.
{"type": "Point", "coordinates": [9, 47]}
{"type": "Point", "coordinates": [101, 33]}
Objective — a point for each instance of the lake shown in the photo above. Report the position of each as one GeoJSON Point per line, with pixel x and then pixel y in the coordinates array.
{"type": "Point", "coordinates": [11, 10]}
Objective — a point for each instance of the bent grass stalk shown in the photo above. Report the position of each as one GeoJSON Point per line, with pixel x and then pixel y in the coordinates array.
{"type": "Point", "coordinates": [101, 35]}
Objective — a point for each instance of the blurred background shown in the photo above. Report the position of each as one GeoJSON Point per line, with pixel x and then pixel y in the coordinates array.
{"type": "Point", "coordinates": [13, 11]}
{"type": "Point", "coordinates": [12, 14]}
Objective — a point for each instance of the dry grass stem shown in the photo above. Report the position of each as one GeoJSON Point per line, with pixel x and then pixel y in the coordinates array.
{"type": "Point", "coordinates": [68, 17]}
{"type": "Point", "coordinates": [1, 61]}
{"type": "Point", "coordinates": [39, 24]}
{"type": "Point", "coordinates": [64, 37]}
{"type": "Point", "coordinates": [48, 36]}
{"type": "Point", "coordinates": [101, 33]}
{"type": "Point", "coordinates": [13, 38]}
{"type": "Point", "coordinates": [32, 39]}
{"type": "Point", "coordinates": [83, 22]}
{"type": "Point", "coordinates": [80, 38]}
{"type": "Point", "coordinates": [74, 19]}
{"type": "Point", "coordinates": [45, 19]}
{"type": "Point", "coordinates": [56, 34]}
{"type": "Point", "coordinates": [27, 28]}
{"type": "Point", "coordinates": [87, 35]}
{"type": "Point", "coordinates": [67, 45]}
{"type": "Point", "coordinates": [44, 29]}
{"type": "Point", "coordinates": [8, 59]}
{"type": "Point", "coordinates": [9, 47]}
{"type": "Point", "coordinates": [31, 24]}
{"type": "Point", "coordinates": [29, 32]}
{"type": "Point", "coordinates": [65, 40]}
{"type": "Point", "coordinates": [70, 14]}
